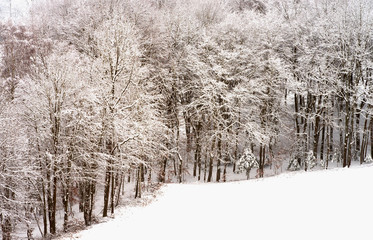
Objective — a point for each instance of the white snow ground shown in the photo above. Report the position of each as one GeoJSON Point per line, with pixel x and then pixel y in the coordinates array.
{"type": "Point", "coordinates": [332, 204]}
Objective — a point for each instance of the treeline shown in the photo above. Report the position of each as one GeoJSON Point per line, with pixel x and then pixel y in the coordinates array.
{"type": "Point", "coordinates": [98, 93]}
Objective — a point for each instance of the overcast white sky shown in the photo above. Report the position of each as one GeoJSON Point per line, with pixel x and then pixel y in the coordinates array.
{"type": "Point", "coordinates": [19, 8]}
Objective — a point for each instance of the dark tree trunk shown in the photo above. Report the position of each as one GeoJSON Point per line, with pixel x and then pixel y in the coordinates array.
{"type": "Point", "coordinates": [296, 114]}
{"type": "Point", "coordinates": [351, 154]}
{"type": "Point", "coordinates": [364, 142]}
{"type": "Point", "coordinates": [236, 147]}
{"type": "Point", "coordinates": [52, 199]}
{"type": "Point", "coordinates": [121, 183]}
{"type": "Point", "coordinates": [261, 160]}
{"type": "Point", "coordinates": [322, 139]}
{"type": "Point", "coordinates": [195, 164]}
{"type": "Point", "coordinates": [66, 194]}
{"type": "Point", "coordinates": [205, 165]}
{"type": "Point", "coordinates": [316, 136]}
{"type": "Point", "coordinates": [112, 193]}
{"type": "Point", "coordinates": [225, 172]}
{"type": "Point", "coordinates": [188, 136]}
{"type": "Point", "coordinates": [211, 162]}
{"type": "Point", "coordinates": [6, 221]}
{"type": "Point", "coordinates": [180, 174]}
{"type": "Point", "coordinates": [331, 143]}
{"type": "Point", "coordinates": [107, 189]}
{"type": "Point", "coordinates": [328, 146]}
{"type": "Point", "coordinates": [357, 127]}
{"type": "Point", "coordinates": [197, 153]}
{"type": "Point", "coordinates": [218, 161]}
{"type": "Point", "coordinates": [179, 159]}
{"type": "Point", "coordinates": [81, 196]}
{"type": "Point", "coordinates": [162, 173]}
{"type": "Point", "coordinates": [65, 203]}
{"type": "Point", "coordinates": [346, 138]}
{"type": "Point", "coordinates": [45, 210]}
{"type": "Point", "coordinates": [89, 191]}
{"type": "Point", "coordinates": [197, 157]}
{"type": "Point", "coordinates": [138, 183]}
{"type": "Point", "coordinates": [54, 205]}
{"type": "Point", "coordinates": [371, 137]}
{"type": "Point", "coordinates": [6, 228]}
{"type": "Point", "coordinates": [199, 163]}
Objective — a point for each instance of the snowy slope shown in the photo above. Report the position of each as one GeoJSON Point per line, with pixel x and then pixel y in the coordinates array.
{"type": "Point", "coordinates": [334, 204]}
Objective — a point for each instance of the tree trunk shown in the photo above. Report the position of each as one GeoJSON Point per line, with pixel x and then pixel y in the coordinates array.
{"type": "Point", "coordinates": [371, 137]}
{"type": "Point", "coordinates": [188, 136]}
{"type": "Point", "coordinates": [112, 193]}
{"type": "Point", "coordinates": [195, 164]}
{"type": "Point", "coordinates": [331, 143]}
{"type": "Point", "coordinates": [198, 149]}
{"type": "Point", "coordinates": [328, 146]}
{"type": "Point", "coordinates": [205, 165]}
{"type": "Point", "coordinates": [218, 162]}
{"type": "Point", "coordinates": [197, 153]}
{"type": "Point", "coordinates": [180, 177]}
{"type": "Point", "coordinates": [236, 145]}
{"type": "Point", "coordinates": [54, 205]}
{"type": "Point", "coordinates": [211, 162]}
{"type": "Point", "coordinates": [346, 138]}
{"type": "Point", "coordinates": [316, 135]}
{"type": "Point", "coordinates": [180, 160]}
{"type": "Point", "coordinates": [364, 142]}
{"type": "Point", "coordinates": [45, 210]}
{"type": "Point", "coordinates": [89, 191]}
{"type": "Point", "coordinates": [199, 163]}
{"type": "Point", "coordinates": [322, 140]}
{"type": "Point", "coordinates": [65, 203]}
{"type": "Point", "coordinates": [225, 172]}
{"type": "Point", "coordinates": [121, 183]}
{"type": "Point", "coordinates": [6, 221]}
{"type": "Point", "coordinates": [162, 173]}
{"type": "Point", "coordinates": [52, 199]}
{"type": "Point", "coordinates": [107, 189]}
{"type": "Point", "coordinates": [261, 160]}
{"type": "Point", "coordinates": [138, 183]}
{"type": "Point", "coordinates": [66, 194]}
{"type": "Point", "coordinates": [357, 127]}
{"type": "Point", "coordinates": [351, 153]}
{"type": "Point", "coordinates": [296, 114]}
{"type": "Point", "coordinates": [6, 227]}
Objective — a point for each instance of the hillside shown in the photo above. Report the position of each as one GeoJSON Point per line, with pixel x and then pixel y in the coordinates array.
{"type": "Point", "coordinates": [331, 204]}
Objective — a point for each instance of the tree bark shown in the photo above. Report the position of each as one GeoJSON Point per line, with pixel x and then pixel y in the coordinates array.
{"type": "Point", "coordinates": [89, 191]}
{"type": "Point", "coordinates": [188, 136]}
{"type": "Point", "coordinates": [112, 193]}
{"type": "Point", "coordinates": [107, 188]}
{"type": "Point", "coordinates": [138, 183]}
{"type": "Point", "coordinates": [371, 137]}
{"type": "Point", "coordinates": [218, 161]}
{"type": "Point", "coordinates": [322, 147]}
{"type": "Point", "coordinates": [346, 137]}
{"type": "Point", "coordinates": [261, 160]}
{"type": "Point", "coordinates": [364, 142]}
{"type": "Point", "coordinates": [66, 194]}
{"type": "Point", "coordinates": [6, 227]}
{"type": "Point", "coordinates": [211, 162]}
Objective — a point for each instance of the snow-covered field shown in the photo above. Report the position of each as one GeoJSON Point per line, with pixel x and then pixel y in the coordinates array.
{"type": "Point", "coordinates": [333, 204]}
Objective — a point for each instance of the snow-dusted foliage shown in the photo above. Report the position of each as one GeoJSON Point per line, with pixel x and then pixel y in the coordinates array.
{"type": "Point", "coordinates": [311, 160]}
{"type": "Point", "coordinates": [247, 161]}
{"type": "Point", "coordinates": [368, 159]}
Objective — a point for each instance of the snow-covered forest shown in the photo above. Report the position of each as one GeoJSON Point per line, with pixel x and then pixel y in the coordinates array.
{"type": "Point", "coordinates": [98, 95]}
